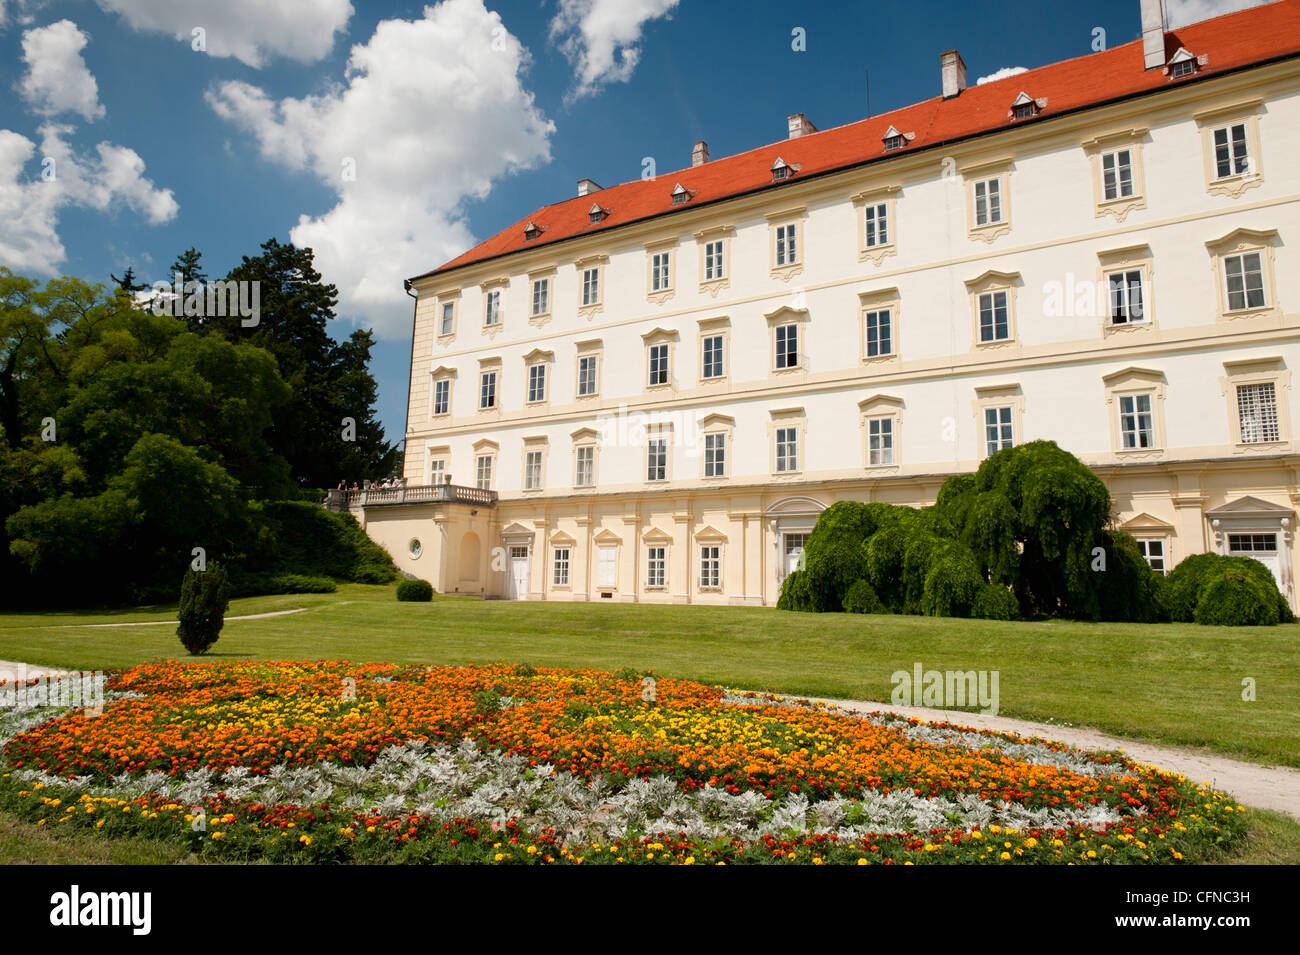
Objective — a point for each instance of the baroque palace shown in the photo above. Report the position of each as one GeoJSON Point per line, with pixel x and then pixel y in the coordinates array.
{"type": "Point", "coordinates": [649, 392]}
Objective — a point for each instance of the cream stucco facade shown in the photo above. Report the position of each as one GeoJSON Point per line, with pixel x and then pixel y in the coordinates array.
{"type": "Point", "coordinates": [787, 361]}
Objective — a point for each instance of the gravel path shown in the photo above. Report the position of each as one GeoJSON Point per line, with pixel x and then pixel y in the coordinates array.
{"type": "Point", "coordinates": [1263, 787]}
{"type": "Point", "coordinates": [165, 623]}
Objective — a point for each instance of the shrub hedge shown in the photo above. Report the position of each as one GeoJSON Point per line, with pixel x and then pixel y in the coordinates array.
{"type": "Point", "coordinates": [415, 590]}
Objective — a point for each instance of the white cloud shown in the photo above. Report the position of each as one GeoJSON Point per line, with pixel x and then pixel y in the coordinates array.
{"type": "Point", "coordinates": [1179, 13]}
{"type": "Point", "coordinates": [1001, 74]}
{"type": "Point", "coordinates": [600, 38]}
{"type": "Point", "coordinates": [431, 114]}
{"type": "Point", "coordinates": [57, 80]}
{"type": "Point", "coordinates": [110, 179]}
{"type": "Point", "coordinates": [252, 31]}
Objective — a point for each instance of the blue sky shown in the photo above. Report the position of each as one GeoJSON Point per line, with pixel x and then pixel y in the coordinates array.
{"type": "Point", "coordinates": [457, 118]}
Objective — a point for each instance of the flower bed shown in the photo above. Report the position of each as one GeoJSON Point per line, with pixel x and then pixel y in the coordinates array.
{"type": "Point", "coordinates": [324, 762]}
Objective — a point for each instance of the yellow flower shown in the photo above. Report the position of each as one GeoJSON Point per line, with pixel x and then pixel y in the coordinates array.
{"type": "Point", "coordinates": [1005, 856]}
{"type": "Point", "coordinates": [863, 862]}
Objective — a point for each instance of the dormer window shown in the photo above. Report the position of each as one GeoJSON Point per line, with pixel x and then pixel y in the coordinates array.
{"type": "Point", "coordinates": [893, 139]}
{"type": "Point", "coordinates": [782, 170]}
{"type": "Point", "coordinates": [597, 214]}
{"type": "Point", "coordinates": [681, 194]}
{"type": "Point", "coordinates": [1026, 106]}
{"type": "Point", "coordinates": [532, 231]}
{"type": "Point", "coordinates": [1183, 64]}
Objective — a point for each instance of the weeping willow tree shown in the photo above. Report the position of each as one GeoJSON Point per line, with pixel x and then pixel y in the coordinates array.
{"type": "Point", "coordinates": [1026, 535]}
{"type": "Point", "coordinates": [1035, 517]}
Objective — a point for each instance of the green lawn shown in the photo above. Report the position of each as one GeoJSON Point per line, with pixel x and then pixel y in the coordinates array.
{"type": "Point", "coordinates": [1172, 683]}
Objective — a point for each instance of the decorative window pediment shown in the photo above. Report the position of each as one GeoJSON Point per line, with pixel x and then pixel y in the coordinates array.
{"type": "Point", "coordinates": [656, 536]}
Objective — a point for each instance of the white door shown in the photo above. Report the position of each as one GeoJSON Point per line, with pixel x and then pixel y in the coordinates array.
{"type": "Point", "coordinates": [1262, 547]}
{"type": "Point", "coordinates": [607, 567]}
{"type": "Point", "coordinates": [518, 573]}
{"type": "Point", "coordinates": [794, 545]}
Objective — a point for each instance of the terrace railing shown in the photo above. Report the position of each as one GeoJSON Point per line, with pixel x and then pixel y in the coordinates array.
{"type": "Point", "coordinates": [416, 494]}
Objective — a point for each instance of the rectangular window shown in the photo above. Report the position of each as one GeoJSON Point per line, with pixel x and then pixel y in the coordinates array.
{"type": "Point", "coordinates": [1245, 277]}
{"type": "Point", "coordinates": [1117, 174]}
{"type": "Point", "coordinates": [483, 472]}
{"type": "Point", "coordinates": [1252, 543]}
{"type": "Point", "coordinates": [656, 566]}
{"type": "Point", "coordinates": [988, 201]}
{"type": "Point", "coordinates": [787, 346]}
{"type": "Point", "coordinates": [787, 449]}
{"type": "Point", "coordinates": [1126, 306]}
{"type": "Point", "coordinates": [713, 260]}
{"type": "Point", "coordinates": [448, 318]}
{"type": "Point", "coordinates": [541, 296]}
{"type": "Point", "coordinates": [877, 225]}
{"type": "Point", "coordinates": [441, 396]}
{"type": "Point", "coordinates": [880, 441]}
{"type": "Point", "coordinates": [560, 578]}
{"type": "Point", "coordinates": [492, 308]}
{"type": "Point", "coordinates": [587, 375]}
{"type": "Point", "coordinates": [715, 455]}
{"type": "Point", "coordinates": [1135, 421]}
{"type": "Point", "coordinates": [607, 567]}
{"type": "Point", "coordinates": [1257, 412]}
{"type": "Point", "coordinates": [584, 466]}
{"type": "Point", "coordinates": [438, 471]}
{"type": "Point", "coordinates": [1230, 151]}
{"type": "Point", "coordinates": [994, 324]}
{"type": "Point", "coordinates": [1153, 552]}
{"type": "Point", "coordinates": [712, 352]}
{"type": "Point", "coordinates": [658, 364]}
{"type": "Point", "coordinates": [657, 460]}
{"type": "Point", "coordinates": [487, 390]}
{"type": "Point", "coordinates": [533, 471]}
{"type": "Point", "coordinates": [998, 430]}
{"type": "Point", "coordinates": [537, 382]}
{"type": "Point", "coordinates": [590, 286]}
{"type": "Point", "coordinates": [787, 252]}
{"type": "Point", "coordinates": [710, 566]}
{"type": "Point", "coordinates": [659, 275]}
{"type": "Point", "coordinates": [880, 333]}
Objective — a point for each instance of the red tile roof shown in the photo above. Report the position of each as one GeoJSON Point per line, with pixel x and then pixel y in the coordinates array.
{"type": "Point", "coordinates": [1232, 41]}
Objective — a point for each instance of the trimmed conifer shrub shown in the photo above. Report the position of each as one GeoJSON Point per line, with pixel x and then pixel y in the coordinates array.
{"type": "Point", "coordinates": [202, 610]}
{"type": "Point", "coordinates": [416, 590]}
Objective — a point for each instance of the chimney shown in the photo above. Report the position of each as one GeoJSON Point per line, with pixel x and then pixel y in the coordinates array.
{"type": "Point", "coordinates": [952, 68]}
{"type": "Point", "coordinates": [700, 154]}
{"type": "Point", "coordinates": [1153, 34]}
{"type": "Point", "coordinates": [801, 125]}
{"type": "Point", "coordinates": [586, 187]}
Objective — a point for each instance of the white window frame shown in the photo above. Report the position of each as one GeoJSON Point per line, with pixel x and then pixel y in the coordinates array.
{"type": "Point", "coordinates": [488, 382]}
{"type": "Point", "coordinates": [536, 390]}
{"type": "Point", "coordinates": [560, 556]}
{"type": "Point", "coordinates": [541, 297]}
{"type": "Point", "coordinates": [492, 308]}
{"type": "Point", "coordinates": [656, 566]}
{"type": "Point", "coordinates": [1000, 432]}
{"type": "Point", "coordinates": [715, 454]}
{"type": "Point", "coordinates": [710, 567]}
{"type": "Point", "coordinates": [787, 448]}
{"type": "Point", "coordinates": [534, 464]}
{"type": "Point", "coordinates": [657, 458]}
{"type": "Point", "coordinates": [1129, 405]}
{"type": "Point", "coordinates": [587, 451]}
